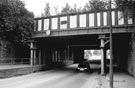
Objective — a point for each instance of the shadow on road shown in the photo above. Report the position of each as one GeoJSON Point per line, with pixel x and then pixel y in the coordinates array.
{"type": "Point", "coordinates": [73, 68]}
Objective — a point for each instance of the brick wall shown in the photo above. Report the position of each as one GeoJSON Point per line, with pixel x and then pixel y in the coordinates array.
{"type": "Point", "coordinates": [131, 58]}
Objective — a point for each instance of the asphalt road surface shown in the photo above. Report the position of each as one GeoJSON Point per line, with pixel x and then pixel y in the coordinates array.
{"type": "Point", "coordinates": [66, 77]}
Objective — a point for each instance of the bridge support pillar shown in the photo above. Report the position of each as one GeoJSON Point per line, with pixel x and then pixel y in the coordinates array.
{"type": "Point", "coordinates": [39, 62]}
{"type": "Point", "coordinates": [32, 53]}
{"type": "Point", "coordinates": [103, 57]}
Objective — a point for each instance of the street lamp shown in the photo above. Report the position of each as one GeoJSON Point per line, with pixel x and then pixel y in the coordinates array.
{"type": "Point", "coordinates": [111, 47]}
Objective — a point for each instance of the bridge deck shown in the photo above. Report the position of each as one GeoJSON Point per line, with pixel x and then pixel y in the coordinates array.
{"type": "Point", "coordinates": [82, 23]}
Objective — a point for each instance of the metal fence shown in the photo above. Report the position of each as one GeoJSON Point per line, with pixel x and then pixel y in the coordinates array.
{"type": "Point", "coordinates": [14, 60]}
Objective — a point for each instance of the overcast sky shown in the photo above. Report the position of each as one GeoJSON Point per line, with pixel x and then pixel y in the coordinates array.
{"type": "Point", "coordinates": [37, 6]}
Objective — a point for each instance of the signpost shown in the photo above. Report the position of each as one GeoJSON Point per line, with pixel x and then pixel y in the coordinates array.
{"type": "Point", "coordinates": [111, 47]}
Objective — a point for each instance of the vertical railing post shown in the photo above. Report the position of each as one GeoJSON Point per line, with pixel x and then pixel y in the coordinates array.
{"type": "Point", "coordinates": [78, 21]}
{"type": "Point", "coordinates": [125, 19]}
{"type": "Point", "coordinates": [95, 19]}
{"type": "Point", "coordinates": [87, 20]}
{"type": "Point", "coordinates": [50, 23]}
{"type": "Point", "coordinates": [68, 22]}
{"type": "Point", "coordinates": [101, 19]}
{"type": "Point", "coordinates": [36, 25]}
{"type": "Point", "coordinates": [42, 26]}
{"type": "Point", "coordinates": [116, 17]}
{"type": "Point", "coordinates": [58, 23]}
{"type": "Point", "coordinates": [108, 18]}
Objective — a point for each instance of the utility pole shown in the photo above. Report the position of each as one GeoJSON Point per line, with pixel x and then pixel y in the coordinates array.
{"type": "Point", "coordinates": [111, 47]}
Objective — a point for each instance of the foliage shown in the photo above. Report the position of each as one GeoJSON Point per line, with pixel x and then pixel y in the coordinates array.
{"type": "Point", "coordinates": [91, 5]}
{"type": "Point", "coordinates": [127, 7]}
{"type": "Point", "coordinates": [56, 10]}
{"type": "Point", "coordinates": [74, 9]}
{"type": "Point", "coordinates": [94, 5]}
{"type": "Point", "coordinates": [46, 10]}
{"type": "Point", "coordinates": [66, 9]}
{"type": "Point", "coordinates": [16, 22]}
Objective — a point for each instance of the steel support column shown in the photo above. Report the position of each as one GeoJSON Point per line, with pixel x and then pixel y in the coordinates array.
{"type": "Point", "coordinates": [34, 57]}
{"type": "Point", "coordinates": [103, 57]}
{"type": "Point", "coordinates": [31, 53]}
{"type": "Point", "coordinates": [39, 59]}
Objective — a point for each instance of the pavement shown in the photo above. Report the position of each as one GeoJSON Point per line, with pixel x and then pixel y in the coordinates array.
{"type": "Point", "coordinates": [120, 80]}
{"type": "Point", "coordinates": [68, 77]}
{"type": "Point", "coordinates": [4, 67]}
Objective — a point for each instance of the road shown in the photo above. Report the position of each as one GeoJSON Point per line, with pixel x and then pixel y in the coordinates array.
{"type": "Point", "coordinates": [66, 77]}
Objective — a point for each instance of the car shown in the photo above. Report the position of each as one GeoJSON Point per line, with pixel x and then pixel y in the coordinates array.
{"type": "Point", "coordinates": [83, 66]}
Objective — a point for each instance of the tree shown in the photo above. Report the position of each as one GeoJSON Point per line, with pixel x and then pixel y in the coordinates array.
{"type": "Point", "coordinates": [46, 10]}
{"type": "Point", "coordinates": [16, 22]}
{"type": "Point", "coordinates": [127, 7]}
{"type": "Point", "coordinates": [74, 9]}
{"type": "Point", "coordinates": [56, 10]}
{"type": "Point", "coordinates": [80, 9]}
{"type": "Point", "coordinates": [66, 9]}
{"type": "Point", "coordinates": [94, 5]}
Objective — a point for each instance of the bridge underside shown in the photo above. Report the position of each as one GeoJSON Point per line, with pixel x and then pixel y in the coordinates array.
{"type": "Point", "coordinates": [70, 49]}
{"type": "Point", "coordinates": [67, 48]}
{"type": "Point", "coordinates": [63, 38]}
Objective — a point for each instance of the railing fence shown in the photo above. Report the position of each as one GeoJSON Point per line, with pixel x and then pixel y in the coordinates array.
{"type": "Point", "coordinates": [14, 60]}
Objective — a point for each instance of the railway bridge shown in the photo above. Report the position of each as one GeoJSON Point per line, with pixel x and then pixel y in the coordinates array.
{"type": "Point", "coordinates": [63, 38]}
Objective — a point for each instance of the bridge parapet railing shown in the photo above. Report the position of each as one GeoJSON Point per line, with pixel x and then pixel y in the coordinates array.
{"type": "Point", "coordinates": [73, 21]}
{"type": "Point", "coordinates": [14, 61]}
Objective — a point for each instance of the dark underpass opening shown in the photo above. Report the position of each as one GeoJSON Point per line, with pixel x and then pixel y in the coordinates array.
{"type": "Point", "coordinates": [72, 49]}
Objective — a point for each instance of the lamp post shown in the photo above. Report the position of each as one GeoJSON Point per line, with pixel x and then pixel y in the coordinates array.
{"type": "Point", "coordinates": [111, 47]}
